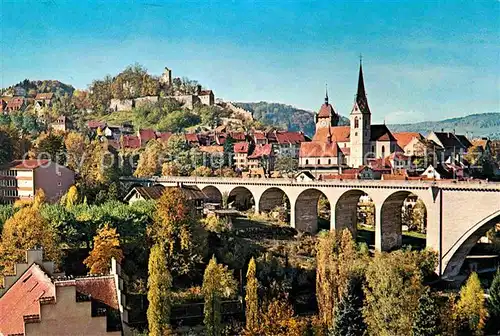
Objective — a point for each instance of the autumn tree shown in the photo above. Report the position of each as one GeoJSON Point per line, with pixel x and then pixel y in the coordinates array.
{"type": "Point", "coordinates": [51, 146]}
{"type": "Point", "coordinates": [159, 289]}
{"type": "Point", "coordinates": [27, 229]}
{"type": "Point", "coordinates": [175, 224]}
{"type": "Point", "coordinates": [170, 169]}
{"type": "Point", "coordinates": [70, 198]}
{"type": "Point", "coordinates": [336, 261]}
{"type": "Point", "coordinates": [75, 150]}
{"type": "Point", "coordinates": [149, 161]}
{"type": "Point", "coordinates": [426, 321]}
{"type": "Point", "coordinates": [392, 292]}
{"type": "Point", "coordinates": [202, 171]}
{"type": "Point", "coordinates": [251, 297]}
{"type": "Point", "coordinates": [494, 299]}
{"type": "Point", "coordinates": [470, 311]}
{"type": "Point", "coordinates": [348, 319]}
{"type": "Point", "coordinates": [100, 94]}
{"type": "Point", "coordinates": [278, 320]}
{"type": "Point", "coordinates": [218, 284]}
{"type": "Point", "coordinates": [106, 247]}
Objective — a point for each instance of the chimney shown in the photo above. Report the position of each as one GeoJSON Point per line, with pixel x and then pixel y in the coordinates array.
{"type": "Point", "coordinates": [198, 89]}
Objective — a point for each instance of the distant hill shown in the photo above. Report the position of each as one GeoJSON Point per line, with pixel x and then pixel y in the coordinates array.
{"type": "Point", "coordinates": [474, 125]}
{"type": "Point", "coordinates": [284, 116]}
{"type": "Point", "coordinates": [32, 87]}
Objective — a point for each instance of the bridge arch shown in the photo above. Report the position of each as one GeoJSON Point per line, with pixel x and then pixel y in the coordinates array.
{"type": "Point", "coordinates": [346, 210]}
{"type": "Point", "coordinates": [214, 195]}
{"type": "Point", "coordinates": [241, 198]}
{"type": "Point", "coordinates": [455, 257]}
{"type": "Point", "coordinates": [306, 210]}
{"type": "Point", "coordinates": [273, 197]}
{"type": "Point", "coordinates": [390, 233]}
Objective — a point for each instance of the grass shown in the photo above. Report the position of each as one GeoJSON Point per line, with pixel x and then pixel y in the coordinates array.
{"type": "Point", "coordinates": [114, 118]}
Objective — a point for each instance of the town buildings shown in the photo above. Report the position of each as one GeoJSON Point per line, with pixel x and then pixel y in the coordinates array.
{"type": "Point", "coordinates": [21, 179]}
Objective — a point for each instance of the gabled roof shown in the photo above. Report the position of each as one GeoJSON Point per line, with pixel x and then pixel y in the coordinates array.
{"type": "Point", "coordinates": [28, 164]}
{"type": "Point", "coordinates": [449, 140]}
{"type": "Point", "coordinates": [241, 147]}
{"type": "Point", "coordinates": [205, 92]}
{"type": "Point", "coordinates": [96, 124]}
{"type": "Point", "coordinates": [239, 136]}
{"type": "Point", "coordinates": [44, 96]}
{"type": "Point", "coordinates": [258, 135]}
{"type": "Point", "coordinates": [326, 110]}
{"type": "Point", "coordinates": [381, 133]}
{"type": "Point", "coordinates": [163, 136]}
{"type": "Point", "coordinates": [290, 137]}
{"type": "Point", "coordinates": [260, 151]}
{"type": "Point", "coordinates": [212, 149]}
{"type": "Point", "coordinates": [146, 134]}
{"type": "Point", "coordinates": [338, 133]}
{"type": "Point", "coordinates": [148, 193]}
{"type": "Point", "coordinates": [318, 149]}
{"type": "Point", "coordinates": [15, 103]}
{"type": "Point", "coordinates": [404, 138]}
{"type": "Point", "coordinates": [191, 137]}
{"type": "Point", "coordinates": [131, 141]}
{"type": "Point", "coordinates": [101, 289]}
{"type": "Point", "coordinates": [463, 139]}
{"type": "Point", "coordinates": [22, 299]}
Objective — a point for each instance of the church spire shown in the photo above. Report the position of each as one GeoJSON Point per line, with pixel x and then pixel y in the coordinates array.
{"type": "Point", "coordinates": [326, 94]}
{"type": "Point", "coordinates": [361, 100]}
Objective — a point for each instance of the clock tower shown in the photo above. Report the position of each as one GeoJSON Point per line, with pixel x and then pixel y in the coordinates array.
{"type": "Point", "coordinates": [326, 117]}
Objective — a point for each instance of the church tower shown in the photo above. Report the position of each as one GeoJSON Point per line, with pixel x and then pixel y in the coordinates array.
{"type": "Point", "coordinates": [326, 117]}
{"type": "Point", "coordinates": [360, 120]}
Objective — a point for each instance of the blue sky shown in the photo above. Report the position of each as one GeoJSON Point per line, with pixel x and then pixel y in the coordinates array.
{"type": "Point", "coordinates": [423, 60]}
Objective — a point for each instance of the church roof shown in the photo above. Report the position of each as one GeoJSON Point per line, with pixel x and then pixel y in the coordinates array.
{"type": "Point", "coordinates": [381, 133]}
{"type": "Point", "coordinates": [318, 149]}
{"type": "Point", "coordinates": [361, 102]}
{"type": "Point", "coordinates": [326, 111]}
{"type": "Point", "coordinates": [338, 133]}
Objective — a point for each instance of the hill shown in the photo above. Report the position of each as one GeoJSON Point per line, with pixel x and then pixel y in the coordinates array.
{"type": "Point", "coordinates": [284, 116]}
{"type": "Point", "coordinates": [32, 87]}
{"type": "Point", "coordinates": [474, 125]}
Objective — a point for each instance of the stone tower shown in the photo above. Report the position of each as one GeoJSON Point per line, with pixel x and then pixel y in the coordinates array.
{"type": "Point", "coordinates": [326, 117]}
{"type": "Point", "coordinates": [360, 119]}
{"type": "Point", "coordinates": [166, 77]}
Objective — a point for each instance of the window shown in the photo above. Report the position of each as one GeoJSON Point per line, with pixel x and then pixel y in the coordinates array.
{"type": "Point", "coordinates": [318, 161]}
{"type": "Point", "coordinates": [383, 151]}
{"type": "Point", "coordinates": [373, 149]}
{"type": "Point", "coordinates": [59, 184]}
{"type": "Point", "coordinates": [307, 161]}
{"type": "Point", "coordinates": [329, 161]}
{"type": "Point", "coordinates": [356, 122]}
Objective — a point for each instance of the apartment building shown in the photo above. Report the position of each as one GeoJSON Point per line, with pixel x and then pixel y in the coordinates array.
{"type": "Point", "coordinates": [21, 179]}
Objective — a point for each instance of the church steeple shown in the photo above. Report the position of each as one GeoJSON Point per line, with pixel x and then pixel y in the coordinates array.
{"type": "Point", "coordinates": [361, 100]}
{"type": "Point", "coordinates": [326, 94]}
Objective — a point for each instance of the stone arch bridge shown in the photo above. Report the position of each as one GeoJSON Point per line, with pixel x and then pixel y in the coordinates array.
{"type": "Point", "coordinates": [458, 214]}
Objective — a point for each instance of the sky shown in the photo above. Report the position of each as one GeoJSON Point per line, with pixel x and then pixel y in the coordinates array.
{"type": "Point", "coordinates": [422, 60]}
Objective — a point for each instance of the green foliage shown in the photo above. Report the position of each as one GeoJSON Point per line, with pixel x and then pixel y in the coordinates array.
{"type": "Point", "coordinates": [52, 145]}
{"type": "Point", "coordinates": [178, 121]}
{"type": "Point", "coordinates": [218, 284]}
{"type": "Point", "coordinates": [6, 147]}
{"type": "Point", "coordinates": [159, 292]}
{"type": "Point", "coordinates": [494, 299]}
{"type": "Point", "coordinates": [6, 211]}
{"type": "Point", "coordinates": [426, 321]}
{"type": "Point", "coordinates": [287, 164]}
{"type": "Point", "coordinates": [348, 319]}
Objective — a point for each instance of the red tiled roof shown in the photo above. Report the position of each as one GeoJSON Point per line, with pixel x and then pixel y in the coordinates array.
{"type": "Point", "coordinates": [191, 137]}
{"type": "Point", "coordinates": [163, 136]}
{"type": "Point", "coordinates": [260, 151]}
{"type": "Point", "coordinates": [99, 288]}
{"type": "Point", "coordinates": [339, 134]}
{"type": "Point", "coordinates": [326, 110]}
{"type": "Point", "coordinates": [15, 103]}
{"type": "Point", "coordinates": [131, 141]}
{"type": "Point", "coordinates": [318, 149]}
{"type": "Point", "coordinates": [21, 299]}
{"type": "Point", "coordinates": [239, 136]}
{"type": "Point", "coordinates": [404, 138]}
{"type": "Point", "coordinates": [146, 134]}
{"type": "Point", "coordinates": [96, 124]}
{"type": "Point", "coordinates": [44, 96]}
{"type": "Point", "coordinates": [290, 137]}
{"type": "Point", "coordinates": [28, 164]}
{"type": "Point", "coordinates": [346, 150]}
{"type": "Point", "coordinates": [343, 176]}
{"type": "Point", "coordinates": [241, 147]}
{"type": "Point", "coordinates": [259, 135]}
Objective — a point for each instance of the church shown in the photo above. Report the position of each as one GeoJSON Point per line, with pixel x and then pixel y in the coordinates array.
{"type": "Point", "coordinates": [335, 147]}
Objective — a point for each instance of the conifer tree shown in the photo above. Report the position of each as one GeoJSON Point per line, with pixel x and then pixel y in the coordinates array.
{"type": "Point", "coordinates": [348, 320]}
{"type": "Point", "coordinates": [494, 300]}
{"type": "Point", "coordinates": [251, 298]}
{"type": "Point", "coordinates": [106, 246]}
{"type": "Point", "coordinates": [426, 321]}
{"type": "Point", "coordinates": [159, 285]}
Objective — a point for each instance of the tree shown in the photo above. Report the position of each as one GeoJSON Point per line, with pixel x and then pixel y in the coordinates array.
{"type": "Point", "coordinates": [251, 298]}
{"type": "Point", "coordinates": [159, 289]}
{"type": "Point", "coordinates": [175, 225]}
{"type": "Point", "coordinates": [27, 229]}
{"type": "Point", "coordinates": [392, 291]}
{"type": "Point", "coordinates": [348, 320]}
{"type": "Point", "coordinates": [100, 94]}
{"type": "Point", "coordinates": [218, 284]}
{"type": "Point", "coordinates": [170, 169]}
{"type": "Point", "coordinates": [106, 247]}
{"type": "Point", "coordinates": [287, 164]}
{"type": "Point", "coordinates": [336, 261]}
{"type": "Point", "coordinates": [75, 150]}
{"type": "Point", "coordinates": [149, 160]}
{"type": "Point", "coordinates": [426, 321]}
{"type": "Point", "coordinates": [470, 311]}
{"type": "Point", "coordinates": [6, 147]}
{"type": "Point", "coordinates": [278, 320]}
{"type": "Point", "coordinates": [70, 198]}
{"type": "Point", "coordinates": [202, 171]}
{"type": "Point", "coordinates": [229, 151]}
{"type": "Point", "coordinates": [51, 146]}
{"type": "Point", "coordinates": [494, 299]}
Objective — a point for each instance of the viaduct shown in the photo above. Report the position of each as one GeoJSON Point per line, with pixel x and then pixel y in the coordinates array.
{"type": "Point", "coordinates": [458, 213]}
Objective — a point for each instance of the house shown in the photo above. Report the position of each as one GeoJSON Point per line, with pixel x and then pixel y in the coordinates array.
{"type": "Point", "coordinates": [130, 142]}
{"type": "Point", "coordinates": [21, 179]}
{"type": "Point", "coordinates": [145, 135]}
{"type": "Point", "coordinates": [398, 161]}
{"type": "Point", "coordinates": [206, 97]}
{"type": "Point", "coordinates": [62, 124]}
{"type": "Point", "coordinates": [482, 145]}
{"type": "Point", "coordinates": [43, 100]}
{"type": "Point", "coordinates": [288, 143]}
{"type": "Point", "coordinates": [112, 132]}
{"type": "Point", "coordinates": [404, 138]}
{"type": "Point", "coordinates": [437, 172]}
{"type": "Point", "coordinates": [94, 125]}
{"type": "Point", "coordinates": [259, 138]}
{"type": "Point", "coordinates": [452, 144]}
{"type": "Point", "coordinates": [304, 176]}
{"type": "Point", "coordinates": [192, 139]}
{"type": "Point", "coordinates": [16, 104]}
{"type": "Point", "coordinates": [37, 301]}
{"type": "Point", "coordinates": [421, 147]}
{"type": "Point", "coordinates": [241, 150]}
{"type": "Point", "coordinates": [321, 155]}
{"type": "Point", "coordinates": [261, 157]}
